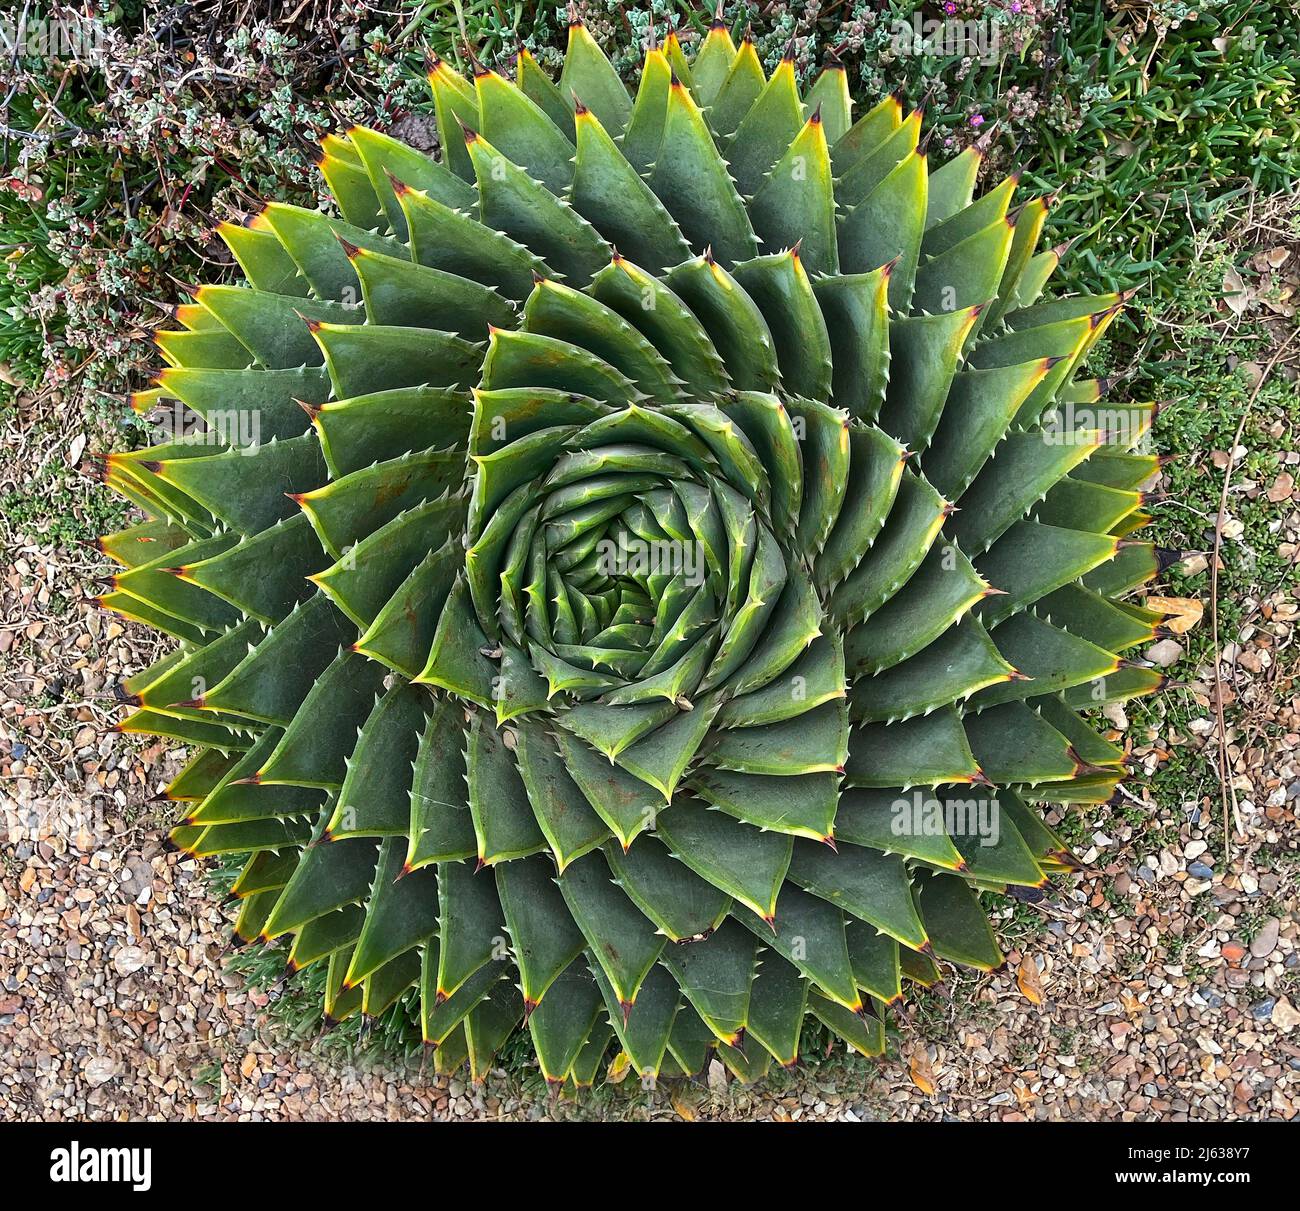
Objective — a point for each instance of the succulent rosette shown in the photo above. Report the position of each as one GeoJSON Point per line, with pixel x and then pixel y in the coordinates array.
{"type": "Point", "coordinates": [617, 554]}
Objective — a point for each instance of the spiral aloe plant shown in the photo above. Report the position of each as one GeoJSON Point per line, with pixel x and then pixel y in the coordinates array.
{"type": "Point", "coordinates": [620, 552]}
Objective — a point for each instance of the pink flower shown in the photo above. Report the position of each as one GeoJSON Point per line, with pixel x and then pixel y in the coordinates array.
{"type": "Point", "coordinates": [977, 119]}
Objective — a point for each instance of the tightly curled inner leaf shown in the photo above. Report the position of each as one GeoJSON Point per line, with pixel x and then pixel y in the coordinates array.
{"type": "Point", "coordinates": [641, 570]}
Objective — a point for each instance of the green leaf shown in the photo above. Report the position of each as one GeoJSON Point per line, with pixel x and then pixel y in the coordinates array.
{"type": "Point", "coordinates": [731, 318]}
{"type": "Point", "coordinates": [369, 572]}
{"type": "Point", "coordinates": [488, 1026]}
{"type": "Point", "coordinates": [744, 862]}
{"type": "Point", "coordinates": [349, 185]}
{"type": "Point", "coordinates": [518, 127]}
{"type": "Point", "coordinates": [456, 661]}
{"type": "Point", "coordinates": [924, 351]}
{"type": "Point", "coordinates": [347, 510]}
{"type": "Point", "coordinates": [855, 309]}
{"type": "Point", "coordinates": [690, 1039]}
{"type": "Point", "coordinates": [644, 1028]}
{"type": "Point", "coordinates": [441, 827]}
{"type": "Point", "coordinates": [471, 930]}
{"type": "Point", "coordinates": [810, 934]}
{"type": "Point", "coordinates": [440, 1016]}
{"type": "Point", "coordinates": [274, 328]}
{"type": "Point", "coordinates": [956, 924]}
{"type": "Point", "coordinates": [537, 86]}
{"type": "Point", "coordinates": [863, 1033]}
{"type": "Point", "coordinates": [935, 598]}
{"type": "Point", "coordinates": [621, 937]}
{"type": "Point", "coordinates": [315, 241]}
{"type": "Point", "coordinates": [264, 576]}
{"type": "Point", "coordinates": [717, 975]}
{"type": "Point", "coordinates": [528, 359]}
{"type": "Point", "coordinates": [1014, 745]}
{"type": "Point", "coordinates": [403, 631]}
{"type": "Point", "coordinates": [660, 759]}
{"type": "Point", "coordinates": [682, 905]}
{"type": "Point", "coordinates": [454, 102]}
{"type": "Point", "coordinates": [924, 751]}
{"type": "Point", "coordinates": [375, 797]}
{"type": "Point", "coordinates": [504, 822]}
{"type": "Point", "coordinates": [812, 743]}
{"type": "Point", "coordinates": [591, 1058]}
{"type": "Point", "coordinates": [875, 471]}
{"type": "Point", "coordinates": [272, 681]}
{"type": "Point", "coordinates": [364, 359]}
{"type": "Point", "coordinates": [248, 407]}
{"type": "Point", "coordinates": [330, 875]}
{"type": "Point", "coordinates": [403, 293]}
{"type": "Point", "coordinates": [323, 936]}
{"type": "Point", "coordinates": [544, 939]}
{"type": "Point", "coordinates": [777, 1007]}
{"type": "Point", "coordinates": [952, 185]}
{"type": "Point", "coordinates": [874, 166]}
{"type": "Point", "coordinates": [958, 664]}
{"type": "Point", "coordinates": [400, 914]}
{"type": "Point", "coordinates": [874, 957]}
{"type": "Point", "coordinates": [315, 746]}
{"type": "Point", "coordinates": [865, 882]}
{"type": "Point", "coordinates": [263, 258]}
{"type": "Point", "coordinates": [803, 805]}
{"type": "Point", "coordinates": [780, 288]}
{"type": "Point", "coordinates": [645, 129]}
{"type": "Point", "coordinates": [914, 521]}
{"type": "Point", "coordinates": [358, 432]}
{"type": "Point", "coordinates": [866, 134]}
{"type": "Point", "coordinates": [830, 97]}
{"type": "Point", "coordinates": [385, 158]}
{"type": "Point", "coordinates": [967, 274]}
{"type": "Point", "coordinates": [827, 446]}
{"type": "Point", "coordinates": [766, 130]}
{"type": "Point", "coordinates": [571, 827]}
{"type": "Point", "coordinates": [625, 803]}
{"type": "Point", "coordinates": [562, 1023]}
{"type": "Point", "coordinates": [511, 202]}
{"type": "Point", "coordinates": [988, 208]}
{"type": "Point", "coordinates": [554, 310]}
{"type": "Point", "coordinates": [666, 322]}
{"type": "Point", "coordinates": [712, 63]}
{"type": "Point", "coordinates": [590, 76]}
{"type": "Point", "coordinates": [887, 225]}
{"type": "Point", "coordinates": [250, 489]}
{"type": "Point", "coordinates": [691, 179]}
{"type": "Point", "coordinates": [980, 407]}
{"type": "Point", "coordinates": [1051, 659]}
{"type": "Point", "coordinates": [455, 242]}
{"type": "Point", "coordinates": [1025, 466]}
{"type": "Point", "coordinates": [1083, 612]}
{"type": "Point", "coordinates": [1030, 560]}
